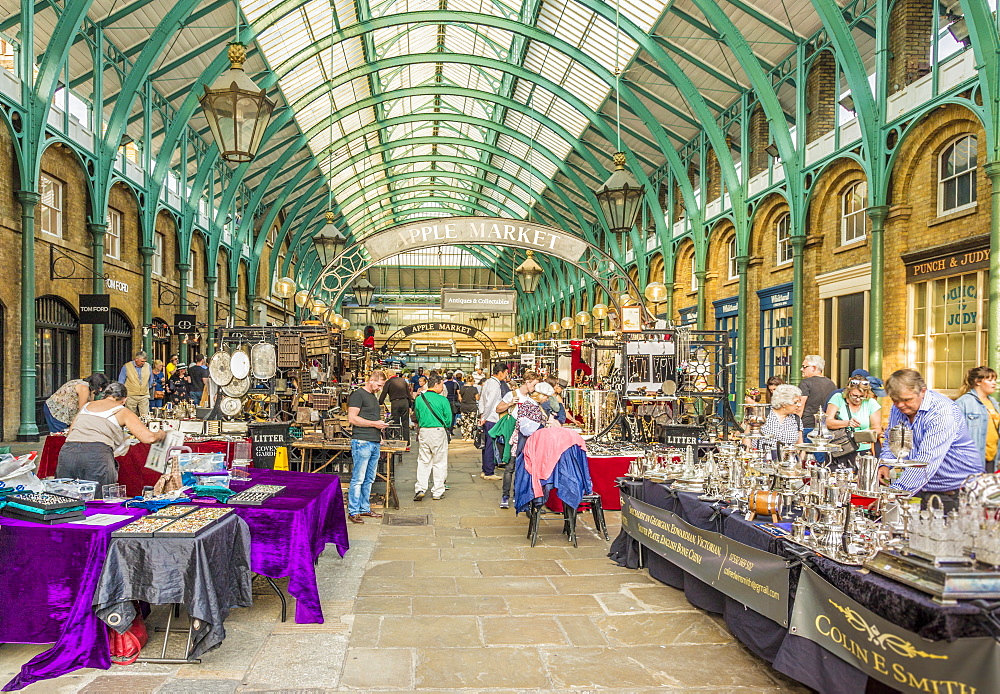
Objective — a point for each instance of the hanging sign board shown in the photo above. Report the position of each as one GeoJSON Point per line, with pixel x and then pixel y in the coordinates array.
{"type": "Point", "coordinates": [95, 309]}
{"type": "Point", "coordinates": [494, 301]}
{"type": "Point", "coordinates": [185, 323]}
{"type": "Point", "coordinates": [475, 231]}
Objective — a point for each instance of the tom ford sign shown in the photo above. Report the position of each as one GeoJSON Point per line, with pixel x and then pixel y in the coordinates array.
{"type": "Point", "coordinates": [95, 309]}
{"type": "Point", "coordinates": [476, 231]}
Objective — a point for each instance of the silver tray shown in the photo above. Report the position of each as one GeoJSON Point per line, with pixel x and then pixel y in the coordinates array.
{"type": "Point", "coordinates": [264, 360]}
{"type": "Point", "coordinates": [218, 368]}
{"type": "Point", "coordinates": [230, 406]}
{"type": "Point", "coordinates": [239, 364]}
{"type": "Point", "coordinates": [237, 388]}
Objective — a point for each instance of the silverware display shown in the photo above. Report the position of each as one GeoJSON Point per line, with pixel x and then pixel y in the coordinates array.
{"type": "Point", "coordinates": [218, 368]}
{"type": "Point", "coordinates": [264, 360]}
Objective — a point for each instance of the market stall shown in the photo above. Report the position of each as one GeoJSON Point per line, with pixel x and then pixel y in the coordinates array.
{"type": "Point", "coordinates": [285, 533]}
{"type": "Point", "coordinates": [132, 470]}
{"type": "Point", "coordinates": [913, 614]}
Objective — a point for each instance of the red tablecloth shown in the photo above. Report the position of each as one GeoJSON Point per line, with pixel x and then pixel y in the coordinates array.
{"type": "Point", "coordinates": [132, 470]}
{"type": "Point", "coordinates": [603, 473]}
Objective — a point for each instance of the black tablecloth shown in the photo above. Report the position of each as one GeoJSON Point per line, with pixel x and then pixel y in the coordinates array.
{"type": "Point", "coordinates": [626, 551]}
{"type": "Point", "coordinates": [794, 656]}
{"type": "Point", "coordinates": [209, 574]}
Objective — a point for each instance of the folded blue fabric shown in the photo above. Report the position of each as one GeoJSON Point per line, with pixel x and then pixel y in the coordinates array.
{"type": "Point", "coordinates": [154, 505]}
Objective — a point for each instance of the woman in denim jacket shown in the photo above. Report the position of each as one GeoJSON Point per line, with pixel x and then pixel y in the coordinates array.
{"type": "Point", "coordinates": [982, 412]}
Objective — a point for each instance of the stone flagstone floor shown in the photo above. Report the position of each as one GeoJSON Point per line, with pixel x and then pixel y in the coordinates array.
{"type": "Point", "coordinates": [461, 603]}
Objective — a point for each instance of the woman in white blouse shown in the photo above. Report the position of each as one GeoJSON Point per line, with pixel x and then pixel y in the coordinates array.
{"type": "Point", "coordinates": [784, 423]}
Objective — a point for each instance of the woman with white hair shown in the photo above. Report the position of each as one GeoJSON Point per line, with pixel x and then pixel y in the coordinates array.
{"type": "Point", "coordinates": [784, 423]}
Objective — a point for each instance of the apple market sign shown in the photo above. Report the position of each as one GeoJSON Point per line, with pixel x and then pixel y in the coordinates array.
{"type": "Point", "coordinates": [473, 231]}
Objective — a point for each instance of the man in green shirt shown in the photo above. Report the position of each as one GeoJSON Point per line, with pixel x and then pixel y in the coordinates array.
{"type": "Point", "coordinates": [433, 415]}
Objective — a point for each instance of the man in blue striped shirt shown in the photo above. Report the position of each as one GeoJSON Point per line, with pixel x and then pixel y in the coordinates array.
{"type": "Point", "coordinates": [940, 439]}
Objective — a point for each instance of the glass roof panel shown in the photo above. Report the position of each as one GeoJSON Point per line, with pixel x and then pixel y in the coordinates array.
{"type": "Point", "coordinates": [290, 38]}
{"type": "Point", "coordinates": [442, 256]}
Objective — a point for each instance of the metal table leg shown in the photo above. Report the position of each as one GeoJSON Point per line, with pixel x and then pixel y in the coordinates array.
{"type": "Point", "coordinates": [163, 659]}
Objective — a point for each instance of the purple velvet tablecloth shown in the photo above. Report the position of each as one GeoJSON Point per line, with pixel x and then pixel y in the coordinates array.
{"type": "Point", "coordinates": [47, 591]}
{"type": "Point", "coordinates": [291, 530]}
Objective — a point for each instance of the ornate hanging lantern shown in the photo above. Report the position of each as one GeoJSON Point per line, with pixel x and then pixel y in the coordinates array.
{"type": "Point", "coordinates": [237, 110]}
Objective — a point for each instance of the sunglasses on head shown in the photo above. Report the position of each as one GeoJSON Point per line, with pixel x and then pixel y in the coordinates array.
{"type": "Point", "coordinates": [859, 382]}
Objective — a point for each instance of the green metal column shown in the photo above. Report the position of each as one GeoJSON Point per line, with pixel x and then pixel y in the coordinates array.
{"type": "Point", "coordinates": [182, 305]}
{"type": "Point", "coordinates": [210, 282]}
{"type": "Point", "coordinates": [742, 264]}
{"type": "Point", "coordinates": [700, 276]}
{"type": "Point", "coordinates": [992, 355]}
{"type": "Point", "coordinates": [28, 430]}
{"type": "Point", "coordinates": [878, 214]}
{"type": "Point", "coordinates": [147, 297]}
{"type": "Point", "coordinates": [97, 232]}
{"type": "Point", "coordinates": [233, 291]}
{"type": "Point", "coordinates": [252, 299]}
{"type": "Point", "coordinates": [798, 309]}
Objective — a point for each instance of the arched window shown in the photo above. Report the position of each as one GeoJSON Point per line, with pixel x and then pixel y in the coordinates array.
{"type": "Point", "coordinates": [57, 348]}
{"type": "Point", "coordinates": [853, 220]}
{"type": "Point", "coordinates": [731, 252]}
{"type": "Point", "coordinates": [957, 175]}
{"type": "Point", "coordinates": [161, 340]}
{"type": "Point", "coordinates": [117, 343]}
{"type": "Point", "coordinates": [783, 229]}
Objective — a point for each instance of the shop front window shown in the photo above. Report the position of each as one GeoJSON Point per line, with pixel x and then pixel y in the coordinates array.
{"type": "Point", "coordinates": [775, 332]}
{"type": "Point", "coordinates": [949, 328]}
{"type": "Point", "coordinates": [776, 343]}
{"type": "Point", "coordinates": [57, 349]}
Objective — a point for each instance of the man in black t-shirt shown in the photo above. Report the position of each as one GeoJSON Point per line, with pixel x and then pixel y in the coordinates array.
{"type": "Point", "coordinates": [397, 389]}
{"type": "Point", "coordinates": [816, 388]}
{"type": "Point", "coordinates": [365, 417]}
{"type": "Point", "coordinates": [197, 373]}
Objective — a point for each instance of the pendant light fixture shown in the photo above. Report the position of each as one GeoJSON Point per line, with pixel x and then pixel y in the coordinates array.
{"type": "Point", "coordinates": [529, 273]}
{"type": "Point", "coordinates": [237, 110]}
{"type": "Point", "coordinates": [621, 195]}
{"type": "Point", "coordinates": [363, 291]}
{"type": "Point", "coordinates": [329, 242]}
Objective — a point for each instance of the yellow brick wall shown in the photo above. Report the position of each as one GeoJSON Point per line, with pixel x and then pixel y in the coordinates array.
{"type": "Point", "coordinates": [762, 273]}
{"type": "Point", "coordinates": [683, 296]}
{"type": "Point", "coordinates": [717, 282]}
{"type": "Point", "coordinates": [914, 222]}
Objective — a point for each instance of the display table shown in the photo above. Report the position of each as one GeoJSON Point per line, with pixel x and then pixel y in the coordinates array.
{"type": "Point", "coordinates": [797, 657]}
{"type": "Point", "coordinates": [209, 574]}
{"type": "Point", "coordinates": [604, 472]}
{"type": "Point", "coordinates": [50, 576]}
{"type": "Point", "coordinates": [132, 471]}
{"type": "Point", "coordinates": [52, 572]}
{"type": "Point", "coordinates": [336, 455]}
{"type": "Point", "coordinates": [289, 532]}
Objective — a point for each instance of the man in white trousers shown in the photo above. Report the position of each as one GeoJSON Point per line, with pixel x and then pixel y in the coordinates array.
{"type": "Point", "coordinates": [434, 415]}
